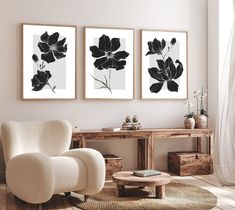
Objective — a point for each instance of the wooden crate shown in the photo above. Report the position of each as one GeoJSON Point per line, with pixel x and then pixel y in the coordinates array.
{"type": "Point", "coordinates": [189, 163]}
{"type": "Point", "coordinates": [113, 164]}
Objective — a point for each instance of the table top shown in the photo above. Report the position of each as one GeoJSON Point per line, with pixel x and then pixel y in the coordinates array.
{"type": "Point", "coordinates": [127, 178]}
{"type": "Point", "coordinates": [144, 133]}
{"type": "Point", "coordinates": [196, 130]}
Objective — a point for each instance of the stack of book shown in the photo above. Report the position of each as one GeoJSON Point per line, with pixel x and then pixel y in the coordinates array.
{"type": "Point", "coordinates": [131, 126]}
{"type": "Point", "coordinates": [111, 129]}
{"type": "Point", "coordinates": [145, 173]}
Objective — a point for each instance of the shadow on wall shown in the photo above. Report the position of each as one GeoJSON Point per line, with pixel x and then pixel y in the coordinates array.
{"type": "Point", "coordinates": [2, 163]}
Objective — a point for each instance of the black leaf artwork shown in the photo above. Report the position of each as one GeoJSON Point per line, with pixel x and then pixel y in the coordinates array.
{"type": "Point", "coordinates": [167, 70]}
{"type": "Point", "coordinates": [51, 49]}
{"type": "Point", "coordinates": [107, 57]}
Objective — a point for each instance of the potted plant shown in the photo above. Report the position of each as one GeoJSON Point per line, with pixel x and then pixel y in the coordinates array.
{"type": "Point", "coordinates": [201, 116]}
{"type": "Point", "coordinates": [189, 121]}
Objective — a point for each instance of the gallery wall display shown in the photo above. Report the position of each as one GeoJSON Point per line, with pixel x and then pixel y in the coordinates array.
{"type": "Point", "coordinates": [109, 63]}
{"type": "Point", "coordinates": [49, 62]}
{"type": "Point", "coordinates": [164, 64]}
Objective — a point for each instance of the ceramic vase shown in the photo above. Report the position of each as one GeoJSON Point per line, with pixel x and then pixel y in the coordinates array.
{"type": "Point", "coordinates": [189, 123]}
{"type": "Point", "coordinates": [200, 121]}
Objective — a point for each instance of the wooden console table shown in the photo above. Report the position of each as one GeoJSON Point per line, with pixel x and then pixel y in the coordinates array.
{"type": "Point", "coordinates": [145, 137]}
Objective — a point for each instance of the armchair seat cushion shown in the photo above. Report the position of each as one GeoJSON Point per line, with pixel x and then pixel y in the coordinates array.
{"type": "Point", "coordinates": [70, 174]}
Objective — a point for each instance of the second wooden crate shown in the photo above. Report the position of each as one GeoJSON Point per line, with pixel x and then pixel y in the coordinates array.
{"type": "Point", "coordinates": [189, 163]}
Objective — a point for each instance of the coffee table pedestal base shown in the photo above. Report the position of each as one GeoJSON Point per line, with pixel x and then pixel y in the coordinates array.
{"type": "Point", "coordinates": [160, 191]}
{"type": "Point", "coordinates": [120, 190]}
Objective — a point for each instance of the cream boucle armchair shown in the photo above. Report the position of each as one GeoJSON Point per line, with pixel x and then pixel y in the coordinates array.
{"type": "Point", "coordinates": [40, 164]}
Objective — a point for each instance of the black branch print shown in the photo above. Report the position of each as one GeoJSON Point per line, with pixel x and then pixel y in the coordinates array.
{"type": "Point", "coordinates": [167, 70]}
{"type": "Point", "coordinates": [107, 57]}
{"type": "Point", "coordinates": [51, 49]}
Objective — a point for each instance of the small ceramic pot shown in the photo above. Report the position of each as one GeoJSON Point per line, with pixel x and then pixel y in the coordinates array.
{"type": "Point", "coordinates": [200, 121]}
{"type": "Point", "coordinates": [189, 123]}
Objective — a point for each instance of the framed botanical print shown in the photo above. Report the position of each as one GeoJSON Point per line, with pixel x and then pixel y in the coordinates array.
{"type": "Point", "coordinates": [164, 64]}
{"type": "Point", "coordinates": [109, 63]}
{"type": "Point", "coordinates": [49, 62]}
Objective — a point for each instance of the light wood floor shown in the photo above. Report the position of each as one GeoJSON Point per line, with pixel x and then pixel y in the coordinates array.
{"type": "Point", "coordinates": [225, 196]}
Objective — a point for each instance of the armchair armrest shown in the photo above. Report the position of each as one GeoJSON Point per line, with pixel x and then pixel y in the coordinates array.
{"type": "Point", "coordinates": [33, 172]}
{"type": "Point", "coordinates": [95, 166]}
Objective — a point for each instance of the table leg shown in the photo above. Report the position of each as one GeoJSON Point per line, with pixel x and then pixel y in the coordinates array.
{"type": "Point", "coordinates": [141, 154]}
{"type": "Point", "coordinates": [199, 147]}
{"type": "Point", "coordinates": [150, 153]}
{"type": "Point", "coordinates": [211, 150]}
{"type": "Point", "coordinates": [120, 190]}
{"type": "Point", "coordinates": [160, 192]}
{"type": "Point", "coordinates": [83, 142]}
{"type": "Point", "coordinates": [211, 145]}
{"type": "Point", "coordinates": [75, 144]}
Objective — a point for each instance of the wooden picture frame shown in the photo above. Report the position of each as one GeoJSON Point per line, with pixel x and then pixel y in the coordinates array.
{"type": "Point", "coordinates": [164, 64]}
{"type": "Point", "coordinates": [49, 61]}
{"type": "Point", "coordinates": [109, 63]}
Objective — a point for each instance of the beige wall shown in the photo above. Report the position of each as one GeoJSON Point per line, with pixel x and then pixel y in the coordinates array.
{"type": "Point", "coordinates": [187, 15]}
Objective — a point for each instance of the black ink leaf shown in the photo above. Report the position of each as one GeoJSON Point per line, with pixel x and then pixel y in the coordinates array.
{"type": "Point", "coordinates": [156, 74]}
{"type": "Point", "coordinates": [156, 87]}
{"type": "Point", "coordinates": [163, 43]}
{"type": "Point", "coordinates": [172, 86]}
{"type": "Point", "coordinates": [171, 71]}
{"type": "Point", "coordinates": [161, 64]}
{"type": "Point", "coordinates": [180, 69]}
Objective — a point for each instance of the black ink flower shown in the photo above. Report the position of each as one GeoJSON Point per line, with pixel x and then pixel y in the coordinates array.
{"type": "Point", "coordinates": [51, 47]}
{"type": "Point", "coordinates": [35, 58]}
{"type": "Point", "coordinates": [173, 41]}
{"type": "Point", "coordinates": [156, 46]}
{"type": "Point", "coordinates": [167, 72]}
{"type": "Point", "coordinates": [40, 80]}
{"type": "Point", "coordinates": [106, 55]}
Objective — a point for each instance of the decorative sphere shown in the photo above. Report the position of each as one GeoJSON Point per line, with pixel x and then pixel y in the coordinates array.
{"type": "Point", "coordinates": [135, 119]}
{"type": "Point", "coordinates": [128, 119]}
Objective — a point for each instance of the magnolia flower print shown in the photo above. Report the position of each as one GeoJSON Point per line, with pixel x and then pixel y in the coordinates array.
{"type": "Point", "coordinates": [166, 70]}
{"type": "Point", "coordinates": [107, 57]}
{"type": "Point", "coordinates": [51, 49]}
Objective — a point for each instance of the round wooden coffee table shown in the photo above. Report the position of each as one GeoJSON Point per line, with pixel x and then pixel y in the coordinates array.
{"type": "Point", "coordinates": [123, 178]}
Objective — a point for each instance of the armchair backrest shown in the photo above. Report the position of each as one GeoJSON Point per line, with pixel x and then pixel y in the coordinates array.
{"type": "Point", "coordinates": [48, 137]}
